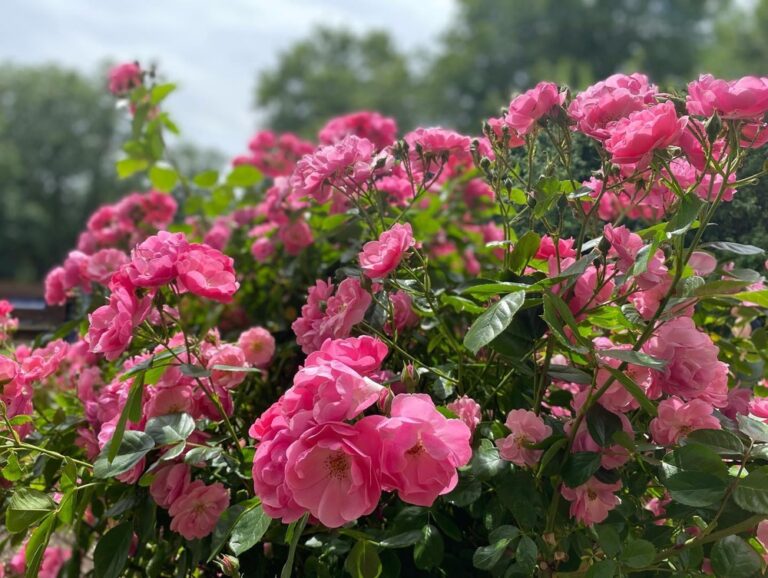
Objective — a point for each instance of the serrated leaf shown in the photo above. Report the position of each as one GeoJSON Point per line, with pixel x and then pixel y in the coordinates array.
{"type": "Point", "coordinates": [248, 530]}
{"type": "Point", "coordinates": [486, 557]}
{"type": "Point", "coordinates": [35, 547]}
{"type": "Point", "coordinates": [736, 248]}
{"type": "Point", "coordinates": [579, 467]}
{"type": "Point", "coordinates": [757, 297]}
{"type": "Point", "coordinates": [755, 430]}
{"type": "Point", "coordinates": [363, 561]}
{"type": "Point", "coordinates": [429, 550]}
{"type": "Point", "coordinates": [170, 429]}
{"type": "Point", "coordinates": [25, 508]}
{"type": "Point", "coordinates": [402, 540]}
{"type": "Point", "coordinates": [111, 552]}
{"type": "Point", "coordinates": [721, 441]}
{"type": "Point", "coordinates": [732, 557]}
{"type": "Point", "coordinates": [633, 357]}
{"type": "Point", "coordinates": [133, 447]}
{"type": "Point", "coordinates": [638, 553]}
{"type": "Point", "coordinates": [751, 493]}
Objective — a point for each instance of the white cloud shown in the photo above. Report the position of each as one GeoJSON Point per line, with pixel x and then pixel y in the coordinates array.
{"type": "Point", "coordinates": [212, 48]}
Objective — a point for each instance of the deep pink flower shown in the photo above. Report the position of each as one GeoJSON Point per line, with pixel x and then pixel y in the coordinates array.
{"type": "Point", "coordinates": [602, 104]}
{"type": "Point", "coordinates": [591, 502]}
{"type": "Point", "coordinates": [379, 258]}
{"type": "Point", "coordinates": [229, 355]}
{"type": "Point", "coordinates": [364, 354]}
{"type": "Point", "coordinates": [346, 165]}
{"type": "Point", "coordinates": [195, 513]}
{"type": "Point", "coordinates": [296, 236]}
{"type": "Point", "coordinates": [403, 313]}
{"type": "Point", "coordinates": [527, 429]}
{"type": "Point", "coordinates": [153, 262]}
{"type": "Point", "coordinates": [332, 470]}
{"type": "Point", "coordinates": [170, 483]}
{"type": "Point", "coordinates": [468, 411]}
{"type": "Point", "coordinates": [746, 98]}
{"type": "Point", "coordinates": [526, 109]}
{"type": "Point", "coordinates": [633, 139]}
{"type": "Point", "coordinates": [421, 449]}
{"type": "Point", "coordinates": [692, 369]}
{"type": "Point", "coordinates": [124, 77]}
{"type": "Point", "coordinates": [707, 186]}
{"type": "Point", "coordinates": [677, 419]}
{"type": "Point", "coordinates": [547, 248]}
{"type": "Point", "coordinates": [103, 264]}
{"type": "Point", "coordinates": [207, 273]}
{"type": "Point", "coordinates": [258, 345]}
{"type": "Point", "coordinates": [380, 130]}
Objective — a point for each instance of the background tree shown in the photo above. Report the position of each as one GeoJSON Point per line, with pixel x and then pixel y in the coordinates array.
{"type": "Point", "coordinates": [58, 138]}
{"type": "Point", "coordinates": [333, 72]}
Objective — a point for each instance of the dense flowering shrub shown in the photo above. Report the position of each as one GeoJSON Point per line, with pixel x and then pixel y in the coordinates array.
{"type": "Point", "coordinates": [438, 354]}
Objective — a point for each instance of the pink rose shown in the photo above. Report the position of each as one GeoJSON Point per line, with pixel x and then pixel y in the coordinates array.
{"type": "Point", "coordinates": [379, 258]}
{"type": "Point", "coordinates": [258, 346]}
{"type": "Point", "coordinates": [295, 236]}
{"type": "Point", "coordinates": [403, 313]}
{"type": "Point", "coordinates": [692, 369]}
{"type": "Point", "coordinates": [262, 249]}
{"type": "Point", "coordinates": [746, 98]}
{"type": "Point", "coordinates": [103, 264]}
{"type": "Point", "coordinates": [677, 419]}
{"type": "Point", "coordinates": [380, 130]}
{"type": "Point", "coordinates": [195, 513]}
{"type": "Point", "coordinates": [153, 262]}
{"type": "Point", "coordinates": [170, 483]}
{"type": "Point", "coordinates": [363, 354]}
{"type": "Point", "coordinates": [633, 139]}
{"type": "Point", "coordinates": [547, 248]}
{"type": "Point", "coordinates": [124, 77]}
{"type": "Point", "coordinates": [468, 411]}
{"type": "Point", "coordinates": [591, 502]}
{"type": "Point", "coordinates": [421, 449]}
{"type": "Point", "coordinates": [207, 273]}
{"type": "Point", "coordinates": [232, 356]}
{"type": "Point", "coordinates": [762, 536]}
{"type": "Point", "coordinates": [525, 110]}
{"type": "Point", "coordinates": [527, 429]}
{"type": "Point", "coordinates": [332, 470]}
{"type": "Point", "coordinates": [55, 287]}
{"type": "Point", "coordinates": [702, 263]}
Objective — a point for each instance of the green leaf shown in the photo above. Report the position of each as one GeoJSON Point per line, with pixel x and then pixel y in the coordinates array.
{"type": "Point", "coordinates": [720, 441]}
{"type": "Point", "coordinates": [363, 561]}
{"type": "Point", "coordinates": [569, 374]}
{"type": "Point", "coordinates": [486, 462]}
{"type": "Point", "coordinates": [293, 535]}
{"type": "Point", "coordinates": [12, 470]}
{"type": "Point", "coordinates": [206, 179]}
{"type": "Point", "coordinates": [697, 489]}
{"type": "Point", "coordinates": [402, 540]}
{"type": "Point", "coordinates": [170, 429]}
{"type": "Point", "coordinates": [524, 250]}
{"type": "Point", "coordinates": [638, 553]}
{"type": "Point", "coordinates": [526, 554]}
{"type": "Point", "coordinates": [161, 92]}
{"type": "Point", "coordinates": [134, 446]}
{"type": "Point", "coordinates": [732, 557]}
{"type": "Point", "coordinates": [163, 178]}
{"type": "Point", "coordinates": [111, 552]}
{"type": "Point", "coordinates": [603, 569]}
{"type": "Point", "coordinates": [751, 493]}
{"type": "Point", "coordinates": [557, 316]}
{"type": "Point", "coordinates": [602, 424]}
{"type": "Point", "coordinates": [493, 322]}
{"type": "Point", "coordinates": [487, 557]}
{"type": "Point", "coordinates": [26, 507]}
{"type": "Point", "coordinates": [127, 167]}
{"type": "Point", "coordinates": [579, 467]}
{"type": "Point", "coordinates": [736, 248]}
{"type": "Point", "coordinates": [757, 297]}
{"type": "Point", "coordinates": [466, 491]}
{"type": "Point", "coordinates": [132, 411]}
{"type": "Point", "coordinates": [755, 430]}
{"type": "Point", "coordinates": [609, 539]}
{"type": "Point", "coordinates": [243, 176]}
{"type": "Point", "coordinates": [634, 357]}
{"type": "Point", "coordinates": [191, 370]}
{"type": "Point", "coordinates": [428, 552]}
{"type": "Point", "coordinates": [38, 542]}
{"type": "Point", "coordinates": [684, 216]}
{"type": "Point", "coordinates": [226, 523]}
{"type": "Point", "coordinates": [248, 530]}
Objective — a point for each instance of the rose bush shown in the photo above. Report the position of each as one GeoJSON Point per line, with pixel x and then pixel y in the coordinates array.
{"type": "Point", "coordinates": [437, 354]}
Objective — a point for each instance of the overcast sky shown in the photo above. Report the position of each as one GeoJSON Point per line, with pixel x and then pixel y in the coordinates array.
{"type": "Point", "coordinates": [213, 48]}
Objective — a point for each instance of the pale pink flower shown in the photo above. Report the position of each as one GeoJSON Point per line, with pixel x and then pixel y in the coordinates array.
{"type": "Point", "coordinates": [527, 429]}
{"type": "Point", "coordinates": [232, 356]}
{"type": "Point", "coordinates": [677, 419]}
{"type": "Point", "coordinates": [591, 502]}
{"type": "Point", "coordinates": [762, 536]}
{"type": "Point", "coordinates": [332, 470]}
{"type": "Point", "coordinates": [403, 314]}
{"type": "Point", "coordinates": [633, 139]}
{"type": "Point", "coordinates": [746, 98]}
{"type": "Point", "coordinates": [702, 263]}
{"type": "Point", "coordinates": [262, 249]}
{"type": "Point", "coordinates": [296, 236]}
{"type": "Point", "coordinates": [103, 264]}
{"type": "Point", "coordinates": [468, 411]}
{"type": "Point", "coordinates": [170, 483]}
{"type": "Point", "coordinates": [195, 512]}
{"type": "Point", "coordinates": [379, 258]}
{"type": "Point", "coordinates": [692, 369]}
{"type": "Point", "coordinates": [258, 345]}
{"type": "Point", "coordinates": [707, 186]}
{"type": "Point", "coordinates": [421, 449]}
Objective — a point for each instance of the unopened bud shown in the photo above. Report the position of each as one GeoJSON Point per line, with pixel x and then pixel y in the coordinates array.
{"type": "Point", "coordinates": [410, 378]}
{"type": "Point", "coordinates": [229, 565]}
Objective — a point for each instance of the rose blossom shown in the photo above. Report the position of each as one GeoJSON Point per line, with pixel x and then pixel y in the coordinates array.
{"type": "Point", "coordinates": [170, 483]}
{"type": "Point", "coordinates": [258, 346]}
{"type": "Point", "coordinates": [403, 315]}
{"type": "Point", "coordinates": [467, 410]}
{"type": "Point", "coordinates": [207, 273]}
{"type": "Point", "coordinates": [591, 502]}
{"type": "Point", "coordinates": [195, 513]}
{"type": "Point", "coordinates": [363, 354]}
{"type": "Point", "coordinates": [153, 262]}
{"type": "Point", "coordinates": [746, 98]}
{"type": "Point", "coordinates": [421, 449]}
{"type": "Point", "coordinates": [526, 109]}
{"type": "Point", "coordinates": [124, 77]}
{"type": "Point", "coordinates": [380, 130]}
{"type": "Point", "coordinates": [332, 470]}
{"type": "Point", "coordinates": [379, 258]}
{"type": "Point", "coordinates": [527, 429]}
{"type": "Point", "coordinates": [677, 419]}
{"type": "Point", "coordinates": [295, 236]}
